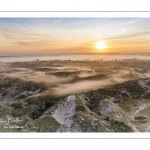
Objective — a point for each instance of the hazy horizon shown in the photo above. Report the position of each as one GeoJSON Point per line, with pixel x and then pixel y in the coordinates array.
{"type": "Point", "coordinates": [74, 35]}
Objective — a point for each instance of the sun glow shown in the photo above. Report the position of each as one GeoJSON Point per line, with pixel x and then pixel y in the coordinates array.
{"type": "Point", "coordinates": [100, 45]}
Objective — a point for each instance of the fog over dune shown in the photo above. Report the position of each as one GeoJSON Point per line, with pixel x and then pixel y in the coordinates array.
{"type": "Point", "coordinates": [75, 96]}
{"type": "Point", "coordinates": [69, 77]}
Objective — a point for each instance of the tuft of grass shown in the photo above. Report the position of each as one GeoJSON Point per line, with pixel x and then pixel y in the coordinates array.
{"type": "Point", "coordinates": [120, 126]}
{"type": "Point", "coordinates": [79, 105]}
{"type": "Point", "coordinates": [89, 123]}
{"type": "Point", "coordinates": [43, 124]}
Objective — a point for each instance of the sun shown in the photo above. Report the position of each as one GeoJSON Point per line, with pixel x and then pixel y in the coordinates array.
{"type": "Point", "coordinates": [100, 45]}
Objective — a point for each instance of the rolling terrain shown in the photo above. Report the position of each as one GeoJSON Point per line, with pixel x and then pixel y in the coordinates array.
{"type": "Point", "coordinates": [75, 96]}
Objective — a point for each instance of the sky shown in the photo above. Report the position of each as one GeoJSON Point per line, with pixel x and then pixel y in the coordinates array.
{"type": "Point", "coordinates": [74, 35]}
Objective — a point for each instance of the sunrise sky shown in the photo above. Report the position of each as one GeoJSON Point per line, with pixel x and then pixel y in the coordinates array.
{"type": "Point", "coordinates": [74, 35]}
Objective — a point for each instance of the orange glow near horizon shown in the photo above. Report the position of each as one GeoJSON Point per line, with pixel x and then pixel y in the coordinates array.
{"type": "Point", "coordinates": [74, 35]}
